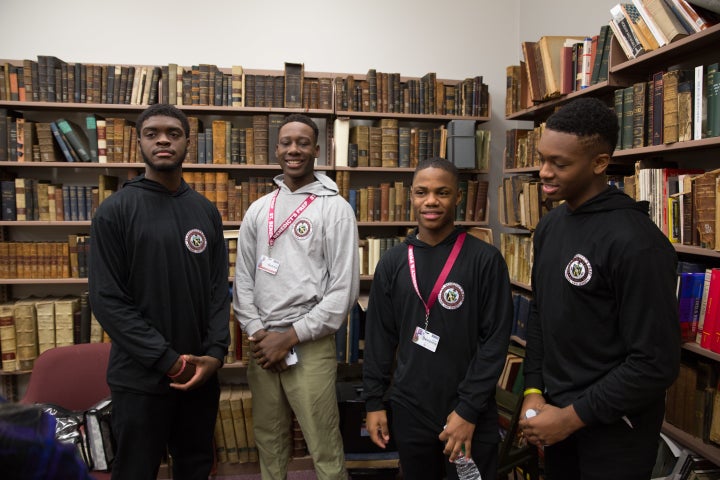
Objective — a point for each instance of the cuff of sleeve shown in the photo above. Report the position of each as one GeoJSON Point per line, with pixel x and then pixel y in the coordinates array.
{"type": "Point", "coordinates": [301, 330]}
{"type": "Point", "coordinates": [167, 361]}
{"type": "Point", "coordinates": [586, 414]}
{"type": "Point", "coordinates": [253, 326]}
{"type": "Point", "coordinates": [218, 354]}
{"type": "Point", "coordinates": [468, 413]}
{"type": "Point", "coordinates": [534, 381]}
{"type": "Point", "coordinates": [374, 404]}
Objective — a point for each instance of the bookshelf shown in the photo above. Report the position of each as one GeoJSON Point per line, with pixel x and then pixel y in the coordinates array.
{"type": "Point", "coordinates": [687, 53]}
{"type": "Point", "coordinates": [241, 114]}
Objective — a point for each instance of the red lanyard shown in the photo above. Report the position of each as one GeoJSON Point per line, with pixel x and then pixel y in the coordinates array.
{"type": "Point", "coordinates": [274, 234]}
{"type": "Point", "coordinates": [440, 280]}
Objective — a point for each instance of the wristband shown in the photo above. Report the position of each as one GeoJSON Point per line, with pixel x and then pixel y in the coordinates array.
{"type": "Point", "coordinates": [182, 369]}
{"type": "Point", "coordinates": [530, 391]}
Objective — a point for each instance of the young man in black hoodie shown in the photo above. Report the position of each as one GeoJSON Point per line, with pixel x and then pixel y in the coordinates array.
{"type": "Point", "coordinates": [159, 287]}
{"type": "Point", "coordinates": [603, 341]}
{"type": "Point", "coordinates": [438, 322]}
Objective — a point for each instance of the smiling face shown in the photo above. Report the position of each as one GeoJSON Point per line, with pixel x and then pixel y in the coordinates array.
{"type": "Point", "coordinates": [435, 197]}
{"type": "Point", "coordinates": [573, 168]}
{"type": "Point", "coordinates": [163, 144]}
{"type": "Point", "coordinates": [296, 151]}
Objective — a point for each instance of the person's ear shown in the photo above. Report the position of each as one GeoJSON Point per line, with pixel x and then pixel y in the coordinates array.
{"type": "Point", "coordinates": [600, 163]}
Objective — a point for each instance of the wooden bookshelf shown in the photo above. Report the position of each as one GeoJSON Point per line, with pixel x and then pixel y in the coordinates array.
{"type": "Point", "coordinates": [87, 173]}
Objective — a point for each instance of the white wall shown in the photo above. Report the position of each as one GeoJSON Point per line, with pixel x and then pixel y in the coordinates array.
{"type": "Point", "coordinates": [454, 38]}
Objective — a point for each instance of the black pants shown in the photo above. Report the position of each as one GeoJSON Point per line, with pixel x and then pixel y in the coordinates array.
{"type": "Point", "coordinates": [614, 451]}
{"type": "Point", "coordinates": [421, 452]}
{"type": "Point", "coordinates": [145, 425]}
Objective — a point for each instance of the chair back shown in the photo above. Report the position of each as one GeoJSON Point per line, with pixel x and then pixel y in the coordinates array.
{"type": "Point", "coordinates": [72, 377]}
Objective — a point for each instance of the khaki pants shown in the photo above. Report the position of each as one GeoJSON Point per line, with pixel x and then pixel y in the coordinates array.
{"type": "Point", "coordinates": [308, 388]}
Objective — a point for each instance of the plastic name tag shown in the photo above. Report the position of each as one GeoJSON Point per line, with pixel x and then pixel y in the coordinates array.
{"type": "Point", "coordinates": [269, 265]}
{"type": "Point", "coordinates": [425, 339]}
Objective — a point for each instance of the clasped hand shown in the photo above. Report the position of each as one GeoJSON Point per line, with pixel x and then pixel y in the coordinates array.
{"type": "Point", "coordinates": [197, 371]}
{"type": "Point", "coordinates": [551, 424]}
{"type": "Point", "coordinates": [269, 349]}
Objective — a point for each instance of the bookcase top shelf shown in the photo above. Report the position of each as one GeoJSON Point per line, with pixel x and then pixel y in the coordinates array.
{"type": "Point", "coordinates": [542, 110]}
{"type": "Point", "coordinates": [687, 48]}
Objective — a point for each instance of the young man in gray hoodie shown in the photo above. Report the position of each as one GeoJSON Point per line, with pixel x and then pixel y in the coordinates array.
{"type": "Point", "coordinates": [296, 277]}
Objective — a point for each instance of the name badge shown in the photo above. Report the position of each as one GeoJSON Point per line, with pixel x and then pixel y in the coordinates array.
{"type": "Point", "coordinates": [269, 265]}
{"type": "Point", "coordinates": [425, 339]}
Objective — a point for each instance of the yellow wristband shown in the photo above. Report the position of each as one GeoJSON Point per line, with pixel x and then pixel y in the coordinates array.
{"type": "Point", "coordinates": [530, 391]}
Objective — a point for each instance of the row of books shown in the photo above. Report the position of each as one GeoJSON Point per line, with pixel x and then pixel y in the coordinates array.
{"type": "Point", "coordinates": [234, 436]}
{"type": "Point", "coordinates": [350, 337]}
{"type": "Point", "coordinates": [646, 25]}
{"type": "Point", "coordinates": [683, 202]}
{"type": "Point", "coordinates": [521, 202]}
{"type": "Point", "coordinates": [391, 202]}
{"type": "Point", "coordinates": [698, 295]}
{"type": "Point", "coordinates": [386, 143]}
{"type": "Point", "coordinates": [51, 79]}
{"type": "Point", "coordinates": [231, 196]}
{"type": "Point", "coordinates": [693, 403]}
{"type": "Point", "coordinates": [676, 105]}
{"type": "Point", "coordinates": [521, 314]}
{"type": "Point", "coordinates": [31, 199]}
{"type": "Point", "coordinates": [387, 93]}
{"type": "Point", "coordinates": [113, 140]}
{"type": "Point", "coordinates": [556, 65]}
{"type": "Point", "coordinates": [516, 249]}
{"type": "Point", "coordinates": [101, 140]}
{"type": "Point", "coordinates": [520, 147]}
{"type": "Point", "coordinates": [38, 260]}
{"type": "Point", "coordinates": [30, 326]}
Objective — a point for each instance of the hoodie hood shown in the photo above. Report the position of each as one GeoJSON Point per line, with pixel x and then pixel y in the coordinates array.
{"type": "Point", "coordinates": [323, 186]}
{"type": "Point", "coordinates": [611, 199]}
{"type": "Point", "coordinates": [146, 184]}
{"type": "Point", "coordinates": [412, 239]}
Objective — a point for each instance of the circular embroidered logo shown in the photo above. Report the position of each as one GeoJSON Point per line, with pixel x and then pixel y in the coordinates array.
{"type": "Point", "coordinates": [195, 241]}
{"type": "Point", "coordinates": [451, 296]}
{"type": "Point", "coordinates": [578, 271]}
{"type": "Point", "coordinates": [302, 229]}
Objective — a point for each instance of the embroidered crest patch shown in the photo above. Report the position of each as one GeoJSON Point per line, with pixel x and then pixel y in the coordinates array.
{"type": "Point", "coordinates": [578, 271]}
{"type": "Point", "coordinates": [195, 241]}
{"type": "Point", "coordinates": [302, 228]}
{"type": "Point", "coordinates": [451, 296]}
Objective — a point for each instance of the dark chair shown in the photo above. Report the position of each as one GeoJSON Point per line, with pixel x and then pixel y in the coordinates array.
{"type": "Point", "coordinates": [513, 454]}
{"type": "Point", "coordinates": [72, 377]}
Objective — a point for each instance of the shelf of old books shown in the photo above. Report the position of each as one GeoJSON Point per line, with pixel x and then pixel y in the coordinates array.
{"type": "Point", "coordinates": [698, 45]}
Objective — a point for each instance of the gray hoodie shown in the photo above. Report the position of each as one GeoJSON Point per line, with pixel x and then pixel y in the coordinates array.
{"type": "Point", "coordinates": [317, 278]}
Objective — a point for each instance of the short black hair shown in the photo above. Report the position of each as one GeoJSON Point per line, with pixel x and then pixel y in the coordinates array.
{"type": "Point", "coordinates": [165, 110]}
{"type": "Point", "coordinates": [299, 117]}
{"type": "Point", "coordinates": [438, 162]}
{"type": "Point", "coordinates": [590, 119]}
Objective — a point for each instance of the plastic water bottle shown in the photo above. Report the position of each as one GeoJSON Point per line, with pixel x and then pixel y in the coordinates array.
{"type": "Point", "coordinates": [466, 468]}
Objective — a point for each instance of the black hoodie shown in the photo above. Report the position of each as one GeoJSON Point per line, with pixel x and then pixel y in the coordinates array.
{"type": "Point", "coordinates": [474, 333]}
{"type": "Point", "coordinates": [158, 281]}
{"type": "Point", "coordinates": [604, 333]}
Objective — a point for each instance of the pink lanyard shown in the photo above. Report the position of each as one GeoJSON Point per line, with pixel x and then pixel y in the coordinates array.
{"type": "Point", "coordinates": [440, 280]}
{"type": "Point", "coordinates": [274, 234]}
